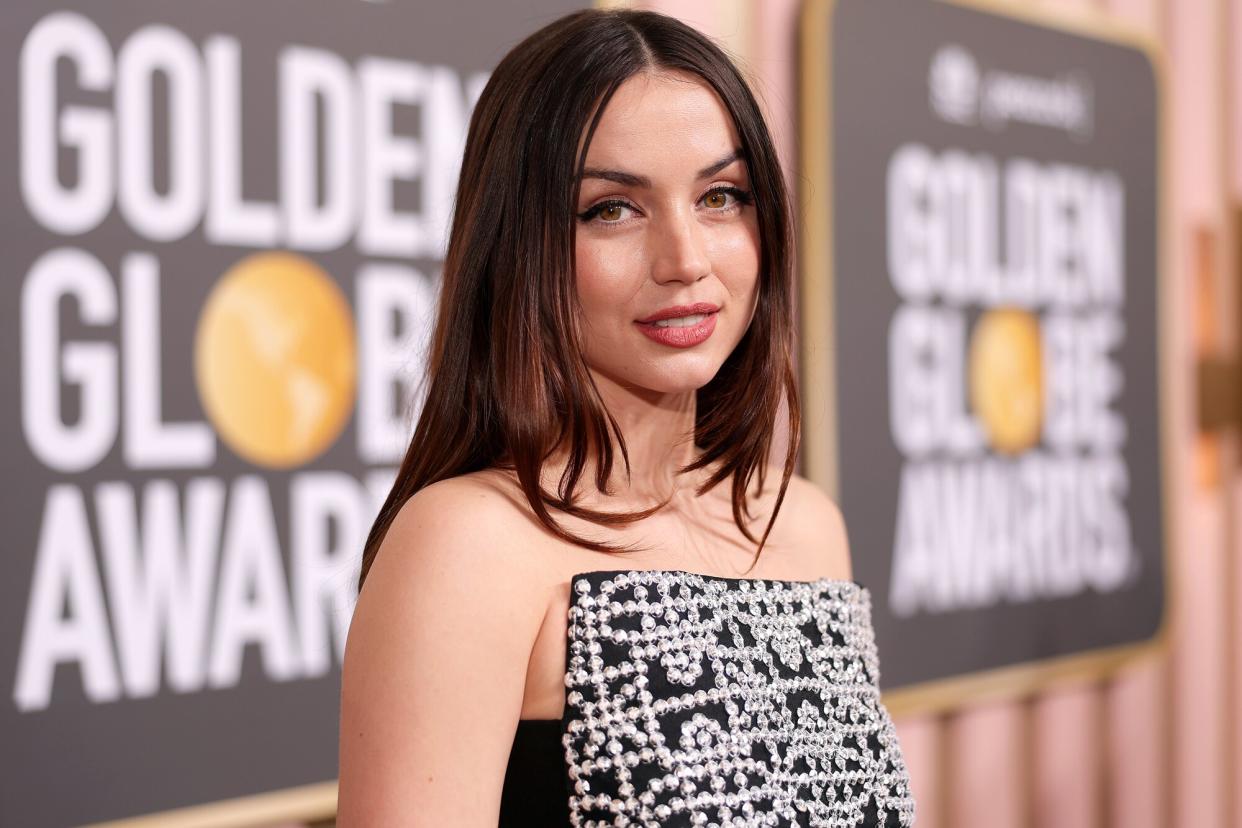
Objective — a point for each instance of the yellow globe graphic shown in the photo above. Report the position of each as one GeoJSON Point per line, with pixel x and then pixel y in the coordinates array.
{"type": "Point", "coordinates": [274, 359]}
{"type": "Point", "coordinates": [1006, 378]}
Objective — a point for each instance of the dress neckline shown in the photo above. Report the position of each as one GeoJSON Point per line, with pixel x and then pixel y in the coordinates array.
{"type": "Point", "coordinates": [577, 576]}
{"type": "Point", "coordinates": [596, 573]}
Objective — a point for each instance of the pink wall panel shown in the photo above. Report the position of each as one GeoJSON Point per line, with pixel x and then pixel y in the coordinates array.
{"type": "Point", "coordinates": [1135, 709]}
{"type": "Point", "coordinates": [988, 767]}
{"type": "Point", "coordinates": [1197, 670]}
{"type": "Point", "coordinates": [1234, 78]}
{"type": "Point", "coordinates": [1065, 753]}
{"type": "Point", "coordinates": [773, 62]}
{"type": "Point", "coordinates": [922, 742]}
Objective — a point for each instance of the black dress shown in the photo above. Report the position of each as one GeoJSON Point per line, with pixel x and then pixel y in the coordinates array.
{"type": "Point", "coordinates": [702, 700]}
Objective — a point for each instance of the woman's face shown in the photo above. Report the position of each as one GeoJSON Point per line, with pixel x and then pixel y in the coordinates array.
{"type": "Point", "coordinates": [665, 219]}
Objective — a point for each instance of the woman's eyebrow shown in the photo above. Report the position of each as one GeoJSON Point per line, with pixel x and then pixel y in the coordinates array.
{"type": "Point", "coordinates": [634, 180]}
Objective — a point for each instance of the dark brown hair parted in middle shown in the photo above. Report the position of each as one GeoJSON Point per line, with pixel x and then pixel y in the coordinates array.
{"type": "Point", "coordinates": [506, 378]}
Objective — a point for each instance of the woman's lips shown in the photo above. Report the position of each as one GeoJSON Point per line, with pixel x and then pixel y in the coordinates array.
{"type": "Point", "coordinates": [675, 337]}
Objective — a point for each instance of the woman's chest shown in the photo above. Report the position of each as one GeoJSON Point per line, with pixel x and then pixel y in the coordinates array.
{"type": "Point", "coordinates": [687, 694]}
{"type": "Point", "coordinates": [544, 694]}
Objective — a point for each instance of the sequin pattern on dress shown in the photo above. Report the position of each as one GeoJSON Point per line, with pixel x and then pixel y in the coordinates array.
{"type": "Point", "coordinates": [703, 700]}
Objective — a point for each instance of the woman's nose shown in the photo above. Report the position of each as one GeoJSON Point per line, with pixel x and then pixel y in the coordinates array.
{"type": "Point", "coordinates": [681, 254]}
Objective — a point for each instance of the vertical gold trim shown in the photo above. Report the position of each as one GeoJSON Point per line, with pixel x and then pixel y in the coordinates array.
{"type": "Point", "coordinates": [817, 367]}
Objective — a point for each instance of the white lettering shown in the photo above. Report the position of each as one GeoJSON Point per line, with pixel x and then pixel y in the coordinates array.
{"type": "Point", "coordinates": [65, 573]}
{"type": "Point", "coordinates": [91, 367]}
{"type": "Point", "coordinates": [149, 441]}
{"type": "Point", "coordinates": [160, 50]}
{"type": "Point", "coordinates": [253, 605]}
{"type": "Point", "coordinates": [1063, 231]}
{"type": "Point", "coordinates": [159, 577]}
{"type": "Point", "coordinates": [76, 208]}
{"type": "Point", "coordinates": [230, 218]}
{"type": "Point", "coordinates": [391, 360]}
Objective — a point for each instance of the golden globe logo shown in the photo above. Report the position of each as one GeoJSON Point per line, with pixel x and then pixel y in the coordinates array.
{"type": "Point", "coordinates": [960, 92]}
{"type": "Point", "coordinates": [1006, 378]}
{"type": "Point", "coordinates": [1013, 483]}
{"type": "Point", "coordinates": [953, 84]}
{"type": "Point", "coordinates": [274, 359]}
{"type": "Point", "coordinates": [152, 570]}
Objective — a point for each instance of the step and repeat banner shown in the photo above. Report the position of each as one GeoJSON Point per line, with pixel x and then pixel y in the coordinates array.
{"type": "Point", "coordinates": [982, 354]}
{"type": "Point", "coordinates": [222, 229]}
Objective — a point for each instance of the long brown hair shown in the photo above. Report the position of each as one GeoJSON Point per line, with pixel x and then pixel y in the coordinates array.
{"type": "Point", "coordinates": [506, 378]}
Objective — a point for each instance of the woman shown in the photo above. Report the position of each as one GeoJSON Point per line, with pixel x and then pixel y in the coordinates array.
{"type": "Point", "coordinates": [547, 633]}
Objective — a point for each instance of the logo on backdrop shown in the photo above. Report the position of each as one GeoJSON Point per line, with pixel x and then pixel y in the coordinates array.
{"type": "Point", "coordinates": [954, 84]}
{"type": "Point", "coordinates": [994, 281]}
{"type": "Point", "coordinates": [962, 93]}
{"type": "Point", "coordinates": [162, 540]}
{"type": "Point", "coordinates": [1028, 341]}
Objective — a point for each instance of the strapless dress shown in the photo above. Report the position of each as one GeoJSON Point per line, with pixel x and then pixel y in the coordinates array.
{"type": "Point", "coordinates": [699, 700]}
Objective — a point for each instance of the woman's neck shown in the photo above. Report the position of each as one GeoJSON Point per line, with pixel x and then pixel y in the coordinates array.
{"type": "Point", "coordinates": [658, 429]}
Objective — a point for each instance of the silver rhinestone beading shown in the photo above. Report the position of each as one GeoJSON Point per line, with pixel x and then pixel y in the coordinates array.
{"type": "Point", "coordinates": [701, 700]}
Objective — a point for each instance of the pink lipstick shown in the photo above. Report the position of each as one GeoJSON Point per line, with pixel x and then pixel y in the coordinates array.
{"type": "Point", "coordinates": [683, 326]}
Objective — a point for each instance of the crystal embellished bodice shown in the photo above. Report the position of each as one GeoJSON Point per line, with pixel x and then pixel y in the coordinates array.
{"type": "Point", "coordinates": [702, 700]}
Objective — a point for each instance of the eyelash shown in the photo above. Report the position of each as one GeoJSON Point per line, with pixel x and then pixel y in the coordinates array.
{"type": "Point", "coordinates": [741, 196]}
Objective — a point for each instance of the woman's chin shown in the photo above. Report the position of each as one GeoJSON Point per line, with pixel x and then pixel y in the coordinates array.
{"type": "Point", "coordinates": [667, 373]}
{"type": "Point", "coordinates": [680, 378]}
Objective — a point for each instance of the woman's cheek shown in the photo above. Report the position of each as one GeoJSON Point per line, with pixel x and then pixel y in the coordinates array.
{"type": "Point", "coordinates": [740, 243]}
{"type": "Point", "coordinates": [587, 274]}
{"type": "Point", "coordinates": [599, 305]}
{"type": "Point", "coordinates": [739, 261]}
{"type": "Point", "coordinates": [605, 277]}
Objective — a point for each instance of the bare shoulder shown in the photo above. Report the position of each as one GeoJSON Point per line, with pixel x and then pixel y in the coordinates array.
{"type": "Point", "coordinates": [470, 523]}
{"type": "Point", "coordinates": [435, 661]}
{"type": "Point", "coordinates": [813, 523]}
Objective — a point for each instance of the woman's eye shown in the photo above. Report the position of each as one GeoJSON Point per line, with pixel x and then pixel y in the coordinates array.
{"type": "Point", "coordinates": [607, 210]}
{"type": "Point", "coordinates": [717, 198]}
